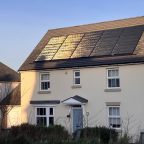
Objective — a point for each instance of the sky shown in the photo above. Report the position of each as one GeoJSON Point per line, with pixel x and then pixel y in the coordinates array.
{"type": "Point", "coordinates": [24, 22]}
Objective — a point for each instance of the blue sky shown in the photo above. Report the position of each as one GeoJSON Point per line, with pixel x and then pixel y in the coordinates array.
{"type": "Point", "coordinates": [24, 22]}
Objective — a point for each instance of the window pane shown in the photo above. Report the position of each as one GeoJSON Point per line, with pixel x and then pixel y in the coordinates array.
{"type": "Point", "coordinates": [42, 121]}
{"type": "Point", "coordinates": [116, 73]}
{"type": "Point", "coordinates": [109, 73]}
{"type": "Point", "coordinates": [51, 111]}
{"type": "Point", "coordinates": [110, 111]}
{"type": "Point", "coordinates": [114, 111]}
{"type": "Point", "coordinates": [114, 122]}
{"type": "Point", "coordinates": [77, 80]}
{"type": "Point", "coordinates": [45, 85]}
{"type": "Point", "coordinates": [118, 111]}
{"type": "Point", "coordinates": [109, 82]}
{"type": "Point", "coordinates": [117, 83]}
{"type": "Point", "coordinates": [113, 73]}
{"type": "Point", "coordinates": [77, 73]}
{"type": "Point", "coordinates": [51, 120]}
{"type": "Point", "coordinates": [44, 76]}
{"type": "Point", "coordinates": [113, 82]}
{"type": "Point", "coordinates": [41, 111]}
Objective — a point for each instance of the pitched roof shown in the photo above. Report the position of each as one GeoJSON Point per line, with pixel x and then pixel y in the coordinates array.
{"type": "Point", "coordinates": [89, 45]}
{"type": "Point", "coordinates": [7, 74]}
{"type": "Point", "coordinates": [80, 99]}
{"type": "Point", "coordinates": [13, 98]}
{"type": "Point", "coordinates": [75, 100]}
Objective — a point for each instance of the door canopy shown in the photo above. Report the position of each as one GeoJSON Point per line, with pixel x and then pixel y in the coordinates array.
{"type": "Point", "coordinates": [75, 100]}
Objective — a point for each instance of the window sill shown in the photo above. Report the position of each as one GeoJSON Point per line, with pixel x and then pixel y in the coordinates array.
{"type": "Point", "coordinates": [76, 86]}
{"type": "Point", "coordinates": [113, 90]}
{"type": "Point", "coordinates": [44, 92]}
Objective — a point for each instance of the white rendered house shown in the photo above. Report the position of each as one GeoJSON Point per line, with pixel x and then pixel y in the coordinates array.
{"type": "Point", "coordinates": [89, 75]}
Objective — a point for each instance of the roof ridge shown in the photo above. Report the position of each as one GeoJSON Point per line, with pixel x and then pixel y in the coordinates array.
{"type": "Point", "coordinates": [99, 23]}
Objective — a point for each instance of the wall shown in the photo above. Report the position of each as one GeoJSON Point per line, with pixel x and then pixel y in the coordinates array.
{"type": "Point", "coordinates": [14, 116]}
{"type": "Point", "coordinates": [93, 85]}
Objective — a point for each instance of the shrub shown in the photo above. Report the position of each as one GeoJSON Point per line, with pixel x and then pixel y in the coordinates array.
{"type": "Point", "coordinates": [102, 134]}
{"type": "Point", "coordinates": [39, 133]}
{"type": "Point", "coordinates": [31, 134]}
{"type": "Point", "coordinates": [124, 139]}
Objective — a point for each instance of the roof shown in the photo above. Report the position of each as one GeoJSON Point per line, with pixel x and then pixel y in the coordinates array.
{"type": "Point", "coordinates": [13, 98]}
{"type": "Point", "coordinates": [114, 42]}
{"type": "Point", "coordinates": [75, 100]}
{"type": "Point", "coordinates": [7, 74]}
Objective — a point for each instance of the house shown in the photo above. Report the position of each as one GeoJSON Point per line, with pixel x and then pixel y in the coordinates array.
{"type": "Point", "coordinates": [10, 109]}
{"type": "Point", "coordinates": [87, 75]}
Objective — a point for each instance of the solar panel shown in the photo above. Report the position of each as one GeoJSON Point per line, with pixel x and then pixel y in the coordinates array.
{"type": "Point", "coordinates": [87, 44]}
{"type": "Point", "coordinates": [51, 48]}
{"type": "Point", "coordinates": [127, 41]}
{"type": "Point", "coordinates": [106, 44]}
{"type": "Point", "coordinates": [98, 43]}
{"type": "Point", "coordinates": [68, 47]}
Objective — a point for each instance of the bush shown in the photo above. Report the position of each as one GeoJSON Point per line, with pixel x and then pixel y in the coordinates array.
{"type": "Point", "coordinates": [31, 133]}
{"type": "Point", "coordinates": [102, 134]}
{"type": "Point", "coordinates": [124, 140]}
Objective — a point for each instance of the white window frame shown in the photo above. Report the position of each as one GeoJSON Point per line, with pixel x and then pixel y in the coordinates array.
{"type": "Point", "coordinates": [112, 77]}
{"type": "Point", "coordinates": [47, 114]}
{"type": "Point", "coordinates": [44, 81]}
{"type": "Point", "coordinates": [114, 116]}
{"type": "Point", "coordinates": [75, 77]}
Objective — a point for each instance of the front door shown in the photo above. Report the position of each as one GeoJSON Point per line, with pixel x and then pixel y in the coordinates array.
{"type": "Point", "coordinates": [77, 114]}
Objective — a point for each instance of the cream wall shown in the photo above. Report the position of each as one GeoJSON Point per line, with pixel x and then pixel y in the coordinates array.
{"type": "Point", "coordinates": [14, 117]}
{"type": "Point", "coordinates": [93, 85]}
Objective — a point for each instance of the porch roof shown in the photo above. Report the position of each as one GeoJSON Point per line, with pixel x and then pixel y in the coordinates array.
{"type": "Point", "coordinates": [75, 100]}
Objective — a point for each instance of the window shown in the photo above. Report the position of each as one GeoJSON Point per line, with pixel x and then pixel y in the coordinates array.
{"type": "Point", "coordinates": [113, 80]}
{"type": "Point", "coordinates": [44, 116]}
{"type": "Point", "coordinates": [44, 81]}
{"type": "Point", "coordinates": [114, 116]}
{"type": "Point", "coordinates": [77, 77]}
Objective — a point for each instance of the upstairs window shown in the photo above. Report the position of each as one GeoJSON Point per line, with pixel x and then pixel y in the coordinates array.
{"type": "Point", "coordinates": [113, 80]}
{"type": "Point", "coordinates": [77, 77]}
{"type": "Point", "coordinates": [44, 81]}
{"type": "Point", "coordinates": [114, 117]}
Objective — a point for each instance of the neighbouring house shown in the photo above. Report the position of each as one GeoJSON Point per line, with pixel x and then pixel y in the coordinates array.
{"type": "Point", "coordinates": [87, 75]}
{"type": "Point", "coordinates": [10, 110]}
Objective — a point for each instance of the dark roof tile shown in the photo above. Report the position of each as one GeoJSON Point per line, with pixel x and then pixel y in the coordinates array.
{"type": "Point", "coordinates": [7, 74]}
{"type": "Point", "coordinates": [13, 98]}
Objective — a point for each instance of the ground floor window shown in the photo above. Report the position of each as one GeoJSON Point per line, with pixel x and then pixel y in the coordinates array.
{"type": "Point", "coordinates": [44, 116]}
{"type": "Point", "coordinates": [114, 116]}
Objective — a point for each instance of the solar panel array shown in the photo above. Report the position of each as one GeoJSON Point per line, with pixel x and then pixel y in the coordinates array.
{"type": "Point", "coordinates": [98, 43]}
